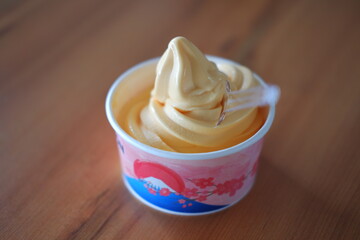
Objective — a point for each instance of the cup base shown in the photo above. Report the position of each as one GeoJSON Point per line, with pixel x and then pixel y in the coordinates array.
{"type": "Point", "coordinates": [164, 210]}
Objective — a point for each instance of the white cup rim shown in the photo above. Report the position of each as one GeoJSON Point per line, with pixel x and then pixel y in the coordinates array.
{"type": "Point", "coordinates": [183, 156]}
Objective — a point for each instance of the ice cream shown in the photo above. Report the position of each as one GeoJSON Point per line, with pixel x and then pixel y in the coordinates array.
{"type": "Point", "coordinates": [186, 102]}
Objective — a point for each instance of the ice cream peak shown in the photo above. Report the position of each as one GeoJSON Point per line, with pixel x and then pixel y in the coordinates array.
{"type": "Point", "coordinates": [186, 80]}
{"type": "Point", "coordinates": [187, 100]}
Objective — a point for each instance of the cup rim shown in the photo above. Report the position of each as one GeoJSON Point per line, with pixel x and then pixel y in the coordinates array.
{"type": "Point", "coordinates": [175, 155]}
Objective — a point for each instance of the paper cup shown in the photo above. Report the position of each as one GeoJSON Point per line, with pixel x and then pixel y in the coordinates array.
{"type": "Point", "coordinates": [182, 183]}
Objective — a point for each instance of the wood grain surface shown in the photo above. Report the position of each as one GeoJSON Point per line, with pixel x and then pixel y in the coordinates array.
{"type": "Point", "coordinates": [59, 166]}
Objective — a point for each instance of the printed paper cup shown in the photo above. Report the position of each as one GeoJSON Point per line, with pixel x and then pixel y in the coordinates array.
{"type": "Point", "coordinates": [182, 183]}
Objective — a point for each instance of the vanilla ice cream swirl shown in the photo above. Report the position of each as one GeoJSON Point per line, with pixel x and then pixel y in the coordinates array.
{"type": "Point", "coordinates": [187, 100]}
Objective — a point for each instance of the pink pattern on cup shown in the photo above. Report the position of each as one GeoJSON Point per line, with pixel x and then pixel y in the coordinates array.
{"type": "Point", "coordinates": [218, 181]}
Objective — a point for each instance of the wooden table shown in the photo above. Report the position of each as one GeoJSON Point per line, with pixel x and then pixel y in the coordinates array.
{"type": "Point", "coordinates": [59, 167]}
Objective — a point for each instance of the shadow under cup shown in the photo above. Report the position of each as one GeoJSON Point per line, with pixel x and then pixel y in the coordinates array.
{"type": "Point", "coordinates": [181, 183]}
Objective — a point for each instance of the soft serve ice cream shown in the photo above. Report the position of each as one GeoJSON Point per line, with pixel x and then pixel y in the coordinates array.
{"type": "Point", "coordinates": [186, 102]}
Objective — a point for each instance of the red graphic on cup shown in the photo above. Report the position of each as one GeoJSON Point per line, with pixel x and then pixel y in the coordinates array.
{"type": "Point", "coordinates": [144, 169]}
